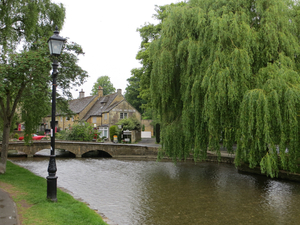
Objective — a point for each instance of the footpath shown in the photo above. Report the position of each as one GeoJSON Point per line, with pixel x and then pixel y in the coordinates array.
{"type": "Point", "coordinates": [8, 210]}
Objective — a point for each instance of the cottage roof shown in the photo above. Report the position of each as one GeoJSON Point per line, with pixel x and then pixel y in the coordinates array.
{"type": "Point", "coordinates": [77, 105]}
{"type": "Point", "coordinates": [102, 105]}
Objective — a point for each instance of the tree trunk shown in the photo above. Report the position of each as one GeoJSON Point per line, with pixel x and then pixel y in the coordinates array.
{"type": "Point", "coordinates": [4, 150]}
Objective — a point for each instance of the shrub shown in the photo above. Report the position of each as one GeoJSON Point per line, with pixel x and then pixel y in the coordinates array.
{"type": "Point", "coordinates": [81, 132]}
{"type": "Point", "coordinates": [131, 123]}
{"type": "Point", "coordinates": [112, 132]}
{"type": "Point", "coordinates": [61, 135]}
{"type": "Point", "coordinates": [16, 136]}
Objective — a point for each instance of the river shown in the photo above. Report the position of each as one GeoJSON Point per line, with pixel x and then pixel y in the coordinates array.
{"type": "Point", "coordinates": [138, 192]}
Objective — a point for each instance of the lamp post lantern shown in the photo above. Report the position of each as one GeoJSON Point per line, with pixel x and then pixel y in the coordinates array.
{"type": "Point", "coordinates": [55, 43]}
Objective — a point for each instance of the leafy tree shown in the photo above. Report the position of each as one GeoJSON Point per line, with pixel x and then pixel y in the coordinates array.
{"type": "Point", "coordinates": [138, 90]}
{"type": "Point", "coordinates": [25, 75]}
{"type": "Point", "coordinates": [104, 82]}
{"type": "Point", "coordinates": [229, 70]}
{"type": "Point", "coordinates": [132, 91]}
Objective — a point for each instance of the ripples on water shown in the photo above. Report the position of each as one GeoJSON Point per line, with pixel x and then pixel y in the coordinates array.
{"type": "Point", "coordinates": [133, 192]}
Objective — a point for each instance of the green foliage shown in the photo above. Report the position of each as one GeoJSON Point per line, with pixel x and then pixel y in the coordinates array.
{"type": "Point", "coordinates": [62, 135]}
{"type": "Point", "coordinates": [25, 63]}
{"type": "Point", "coordinates": [32, 189]}
{"type": "Point", "coordinates": [230, 69]}
{"type": "Point", "coordinates": [112, 132]}
{"type": "Point", "coordinates": [131, 123]}
{"type": "Point", "coordinates": [16, 136]}
{"type": "Point", "coordinates": [132, 91]}
{"type": "Point", "coordinates": [105, 83]}
{"type": "Point", "coordinates": [81, 132]}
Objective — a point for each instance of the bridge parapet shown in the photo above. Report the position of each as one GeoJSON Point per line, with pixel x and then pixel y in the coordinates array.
{"type": "Point", "coordinates": [79, 148]}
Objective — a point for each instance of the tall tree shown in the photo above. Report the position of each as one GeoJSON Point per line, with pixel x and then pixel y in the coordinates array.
{"type": "Point", "coordinates": [104, 82]}
{"type": "Point", "coordinates": [25, 75]}
{"type": "Point", "coordinates": [139, 82]}
{"type": "Point", "coordinates": [229, 70]}
{"type": "Point", "coordinates": [132, 91]}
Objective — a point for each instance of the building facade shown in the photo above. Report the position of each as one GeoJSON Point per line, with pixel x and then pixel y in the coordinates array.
{"type": "Point", "coordinates": [98, 110]}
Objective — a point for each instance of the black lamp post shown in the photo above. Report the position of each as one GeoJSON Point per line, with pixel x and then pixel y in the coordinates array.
{"type": "Point", "coordinates": [55, 46]}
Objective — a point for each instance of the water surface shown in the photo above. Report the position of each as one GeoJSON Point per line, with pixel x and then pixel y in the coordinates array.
{"type": "Point", "coordinates": [136, 192]}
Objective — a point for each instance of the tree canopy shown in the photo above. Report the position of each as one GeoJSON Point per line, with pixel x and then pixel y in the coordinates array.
{"type": "Point", "coordinates": [105, 83]}
{"type": "Point", "coordinates": [227, 72]}
{"type": "Point", "coordinates": [25, 64]}
{"type": "Point", "coordinates": [138, 90]}
{"type": "Point", "coordinates": [132, 94]}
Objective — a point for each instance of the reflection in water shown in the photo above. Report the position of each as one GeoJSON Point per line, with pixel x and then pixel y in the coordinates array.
{"type": "Point", "coordinates": [137, 192]}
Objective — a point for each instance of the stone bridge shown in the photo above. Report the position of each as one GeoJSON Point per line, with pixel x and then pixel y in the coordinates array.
{"type": "Point", "coordinates": [80, 148]}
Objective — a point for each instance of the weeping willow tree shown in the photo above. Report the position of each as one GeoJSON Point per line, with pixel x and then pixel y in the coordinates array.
{"type": "Point", "coordinates": [228, 71]}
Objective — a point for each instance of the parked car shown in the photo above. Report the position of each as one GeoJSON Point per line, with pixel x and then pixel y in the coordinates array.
{"type": "Point", "coordinates": [34, 137]}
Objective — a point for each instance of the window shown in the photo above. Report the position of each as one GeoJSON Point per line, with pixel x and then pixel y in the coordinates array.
{"type": "Point", "coordinates": [61, 119]}
{"type": "Point", "coordinates": [105, 116]}
{"type": "Point", "coordinates": [104, 132]}
{"type": "Point", "coordinates": [94, 119]}
{"type": "Point", "coordinates": [123, 115]}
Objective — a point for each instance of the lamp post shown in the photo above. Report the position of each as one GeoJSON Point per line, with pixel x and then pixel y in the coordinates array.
{"type": "Point", "coordinates": [55, 43]}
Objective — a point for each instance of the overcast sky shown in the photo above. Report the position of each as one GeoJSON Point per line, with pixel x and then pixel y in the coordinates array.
{"type": "Point", "coordinates": [107, 32]}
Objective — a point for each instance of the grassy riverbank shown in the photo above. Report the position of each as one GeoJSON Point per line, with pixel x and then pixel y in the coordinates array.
{"type": "Point", "coordinates": [30, 191]}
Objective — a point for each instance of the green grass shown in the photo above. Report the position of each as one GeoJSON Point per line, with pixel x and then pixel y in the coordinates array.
{"type": "Point", "coordinates": [30, 194]}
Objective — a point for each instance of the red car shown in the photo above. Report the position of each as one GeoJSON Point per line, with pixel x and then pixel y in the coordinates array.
{"type": "Point", "coordinates": [34, 137]}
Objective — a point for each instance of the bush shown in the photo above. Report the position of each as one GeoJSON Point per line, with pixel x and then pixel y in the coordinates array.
{"type": "Point", "coordinates": [112, 132]}
{"type": "Point", "coordinates": [61, 135]}
{"type": "Point", "coordinates": [79, 132]}
{"type": "Point", "coordinates": [40, 133]}
{"type": "Point", "coordinates": [16, 136]}
{"type": "Point", "coordinates": [131, 123]}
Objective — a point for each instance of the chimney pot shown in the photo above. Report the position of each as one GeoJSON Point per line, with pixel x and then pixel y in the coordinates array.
{"type": "Point", "coordinates": [81, 94]}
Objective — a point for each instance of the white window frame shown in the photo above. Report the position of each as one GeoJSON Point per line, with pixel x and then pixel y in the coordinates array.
{"type": "Point", "coordinates": [123, 115]}
{"type": "Point", "coordinates": [104, 132]}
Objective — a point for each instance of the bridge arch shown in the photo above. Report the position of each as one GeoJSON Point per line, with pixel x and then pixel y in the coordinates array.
{"type": "Point", "coordinates": [96, 153]}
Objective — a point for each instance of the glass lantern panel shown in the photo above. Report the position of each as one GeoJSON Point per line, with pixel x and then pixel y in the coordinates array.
{"type": "Point", "coordinates": [55, 47]}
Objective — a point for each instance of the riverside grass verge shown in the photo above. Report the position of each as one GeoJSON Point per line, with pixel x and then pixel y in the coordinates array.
{"type": "Point", "coordinates": [30, 194]}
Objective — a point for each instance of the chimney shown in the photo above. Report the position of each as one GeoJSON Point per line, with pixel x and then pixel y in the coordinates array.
{"type": "Point", "coordinates": [119, 91]}
{"type": "Point", "coordinates": [81, 94]}
{"type": "Point", "coordinates": [100, 92]}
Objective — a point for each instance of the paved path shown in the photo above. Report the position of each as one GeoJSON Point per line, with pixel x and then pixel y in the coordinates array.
{"type": "Point", "coordinates": [8, 210]}
{"type": "Point", "coordinates": [150, 142]}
